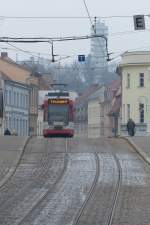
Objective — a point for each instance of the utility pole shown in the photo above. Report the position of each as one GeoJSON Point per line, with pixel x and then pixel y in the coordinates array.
{"type": "Point", "coordinates": [16, 57]}
{"type": "Point", "coordinates": [53, 59]}
{"type": "Point", "coordinates": [95, 18]}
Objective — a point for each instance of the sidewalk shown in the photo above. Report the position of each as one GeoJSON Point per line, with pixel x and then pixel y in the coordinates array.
{"type": "Point", "coordinates": [141, 145]}
{"type": "Point", "coordinates": [11, 150]}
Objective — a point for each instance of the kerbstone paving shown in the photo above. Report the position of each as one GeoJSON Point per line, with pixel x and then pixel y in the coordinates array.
{"type": "Point", "coordinates": [143, 143]}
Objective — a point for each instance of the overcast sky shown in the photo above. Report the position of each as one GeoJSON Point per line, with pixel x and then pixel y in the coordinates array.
{"type": "Point", "coordinates": [74, 27]}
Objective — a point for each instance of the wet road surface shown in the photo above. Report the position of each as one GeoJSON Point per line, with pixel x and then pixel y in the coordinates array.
{"type": "Point", "coordinates": [77, 181]}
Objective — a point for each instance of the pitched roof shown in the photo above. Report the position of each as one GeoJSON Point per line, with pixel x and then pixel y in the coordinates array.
{"type": "Point", "coordinates": [4, 76]}
{"type": "Point", "coordinates": [45, 83]}
{"type": "Point", "coordinates": [116, 98]}
{"type": "Point", "coordinates": [116, 106]}
{"type": "Point", "coordinates": [85, 96]}
{"type": "Point", "coordinates": [10, 61]}
{"type": "Point", "coordinates": [114, 85]}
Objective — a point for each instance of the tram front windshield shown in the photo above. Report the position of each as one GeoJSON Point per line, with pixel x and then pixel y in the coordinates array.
{"type": "Point", "coordinates": [58, 113]}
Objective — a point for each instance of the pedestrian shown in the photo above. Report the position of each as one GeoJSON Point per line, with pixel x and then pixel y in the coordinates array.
{"type": "Point", "coordinates": [131, 127]}
{"type": "Point", "coordinates": [7, 132]}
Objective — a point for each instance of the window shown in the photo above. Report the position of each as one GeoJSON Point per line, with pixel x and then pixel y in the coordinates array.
{"type": "Point", "coordinates": [10, 103]}
{"type": "Point", "coordinates": [6, 122]}
{"type": "Point", "coordinates": [9, 125]}
{"type": "Point", "coordinates": [14, 98]}
{"type": "Point", "coordinates": [25, 104]}
{"type": "Point", "coordinates": [58, 113]}
{"type": "Point", "coordinates": [6, 97]}
{"type": "Point", "coordinates": [17, 99]}
{"type": "Point", "coordinates": [21, 99]}
{"type": "Point", "coordinates": [17, 124]}
{"type": "Point", "coordinates": [128, 80]}
{"type": "Point", "coordinates": [13, 124]}
{"type": "Point", "coordinates": [24, 101]}
{"type": "Point", "coordinates": [26, 127]}
{"type": "Point", "coordinates": [23, 127]}
{"type": "Point", "coordinates": [20, 127]}
{"type": "Point", "coordinates": [27, 101]}
{"type": "Point", "coordinates": [141, 112]}
{"type": "Point", "coordinates": [141, 79]}
{"type": "Point", "coordinates": [128, 111]}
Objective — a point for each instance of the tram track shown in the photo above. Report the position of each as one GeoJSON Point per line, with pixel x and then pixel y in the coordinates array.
{"type": "Point", "coordinates": [116, 195]}
{"type": "Point", "coordinates": [134, 192]}
{"type": "Point", "coordinates": [97, 190]}
{"type": "Point", "coordinates": [95, 202]}
{"type": "Point", "coordinates": [23, 220]}
{"type": "Point", "coordinates": [25, 188]}
{"type": "Point", "coordinates": [91, 191]}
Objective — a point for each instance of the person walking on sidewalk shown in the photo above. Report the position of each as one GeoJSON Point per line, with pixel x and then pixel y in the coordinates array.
{"type": "Point", "coordinates": [7, 132]}
{"type": "Point", "coordinates": [131, 127]}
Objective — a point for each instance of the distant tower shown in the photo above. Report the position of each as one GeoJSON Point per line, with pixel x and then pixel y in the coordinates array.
{"type": "Point", "coordinates": [98, 50]}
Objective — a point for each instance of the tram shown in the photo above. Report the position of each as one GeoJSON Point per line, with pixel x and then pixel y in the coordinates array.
{"type": "Point", "coordinates": [58, 114]}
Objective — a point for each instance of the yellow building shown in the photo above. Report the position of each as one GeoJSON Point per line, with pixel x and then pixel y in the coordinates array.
{"type": "Point", "coordinates": [135, 75]}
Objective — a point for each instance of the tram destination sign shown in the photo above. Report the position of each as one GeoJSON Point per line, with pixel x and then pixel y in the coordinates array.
{"type": "Point", "coordinates": [59, 101]}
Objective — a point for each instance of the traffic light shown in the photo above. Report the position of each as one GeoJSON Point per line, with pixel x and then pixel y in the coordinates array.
{"type": "Point", "coordinates": [139, 22]}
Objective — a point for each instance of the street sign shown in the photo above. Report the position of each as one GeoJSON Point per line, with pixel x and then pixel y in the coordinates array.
{"type": "Point", "coordinates": [81, 58]}
{"type": "Point", "coordinates": [139, 22]}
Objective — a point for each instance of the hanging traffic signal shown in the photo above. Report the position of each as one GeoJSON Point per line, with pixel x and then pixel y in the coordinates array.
{"type": "Point", "coordinates": [139, 22]}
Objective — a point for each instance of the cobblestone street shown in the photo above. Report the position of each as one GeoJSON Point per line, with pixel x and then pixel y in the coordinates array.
{"type": "Point", "coordinates": [77, 181]}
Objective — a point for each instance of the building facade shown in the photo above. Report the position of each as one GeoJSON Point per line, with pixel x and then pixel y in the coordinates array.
{"type": "Point", "coordinates": [135, 75]}
{"type": "Point", "coordinates": [96, 113]}
{"type": "Point", "coordinates": [104, 111]}
{"type": "Point", "coordinates": [22, 75]}
{"type": "Point", "coordinates": [15, 115]}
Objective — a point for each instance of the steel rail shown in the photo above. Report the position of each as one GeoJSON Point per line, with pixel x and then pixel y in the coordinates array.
{"type": "Point", "coordinates": [53, 186]}
{"type": "Point", "coordinates": [91, 191]}
{"type": "Point", "coordinates": [115, 200]}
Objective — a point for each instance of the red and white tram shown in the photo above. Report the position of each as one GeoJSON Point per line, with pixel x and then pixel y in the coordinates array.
{"type": "Point", "coordinates": [58, 115]}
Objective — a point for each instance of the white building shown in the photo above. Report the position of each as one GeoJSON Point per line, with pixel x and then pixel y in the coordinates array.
{"type": "Point", "coordinates": [15, 106]}
{"type": "Point", "coordinates": [95, 123]}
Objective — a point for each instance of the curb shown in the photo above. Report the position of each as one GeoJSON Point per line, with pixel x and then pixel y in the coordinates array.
{"type": "Point", "coordinates": [14, 168]}
{"type": "Point", "coordinates": [137, 149]}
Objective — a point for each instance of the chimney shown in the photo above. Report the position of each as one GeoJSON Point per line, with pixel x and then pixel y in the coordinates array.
{"type": "Point", "coordinates": [4, 54]}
